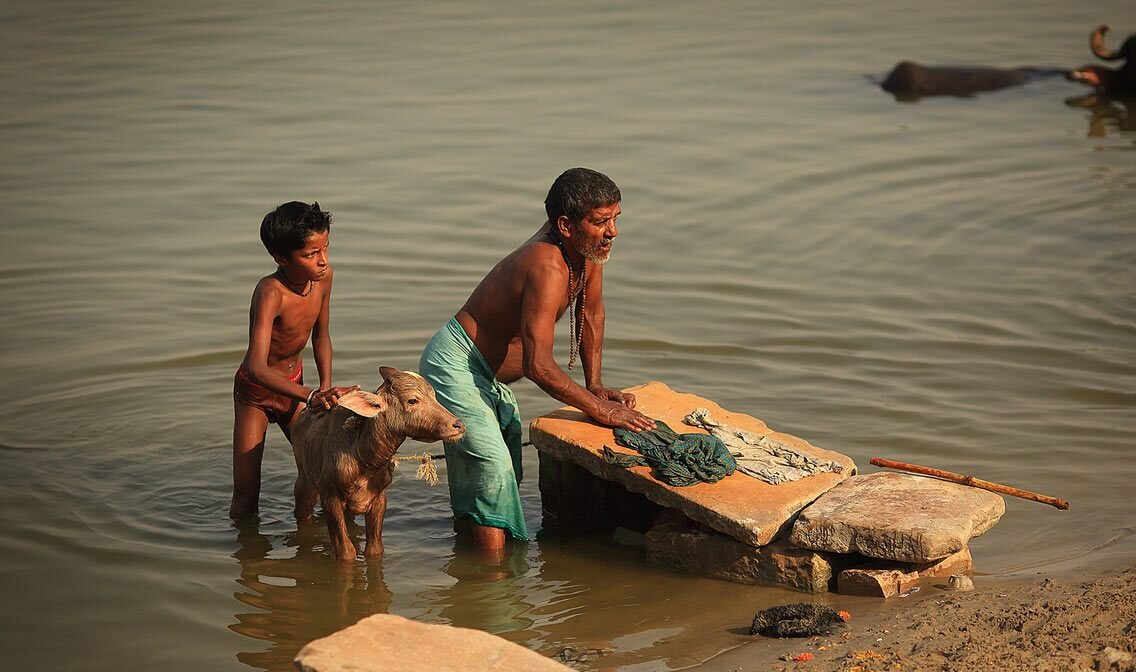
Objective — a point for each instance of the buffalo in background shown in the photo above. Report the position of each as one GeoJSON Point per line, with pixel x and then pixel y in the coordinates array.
{"type": "Point", "coordinates": [910, 81]}
{"type": "Point", "coordinates": [1118, 82]}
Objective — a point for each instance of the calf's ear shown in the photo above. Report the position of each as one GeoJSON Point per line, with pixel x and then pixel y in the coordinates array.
{"type": "Point", "coordinates": [387, 371]}
{"type": "Point", "coordinates": [362, 403]}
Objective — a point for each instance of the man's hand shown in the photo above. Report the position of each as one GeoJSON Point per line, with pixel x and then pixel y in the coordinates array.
{"type": "Point", "coordinates": [327, 399]}
{"type": "Point", "coordinates": [615, 414]}
{"type": "Point", "coordinates": [612, 394]}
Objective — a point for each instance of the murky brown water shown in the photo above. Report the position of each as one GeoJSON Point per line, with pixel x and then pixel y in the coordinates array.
{"type": "Point", "coordinates": [947, 283]}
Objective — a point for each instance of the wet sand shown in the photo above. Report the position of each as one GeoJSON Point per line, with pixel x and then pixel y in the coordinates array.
{"type": "Point", "coordinates": [1049, 621]}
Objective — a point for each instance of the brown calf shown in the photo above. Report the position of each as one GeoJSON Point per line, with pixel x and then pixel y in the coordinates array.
{"type": "Point", "coordinates": [344, 457]}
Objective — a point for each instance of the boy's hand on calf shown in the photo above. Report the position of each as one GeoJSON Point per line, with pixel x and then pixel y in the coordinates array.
{"type": "Point", "coordinates": [329, 398]}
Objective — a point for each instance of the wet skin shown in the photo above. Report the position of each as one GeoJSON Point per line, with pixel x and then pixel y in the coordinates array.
{"type": "Point", "coordinates": [511, 315]}
{"type": "Point", "coordinates": [511, 318]}
{"type": "Point", "coordinates": [287, 307]}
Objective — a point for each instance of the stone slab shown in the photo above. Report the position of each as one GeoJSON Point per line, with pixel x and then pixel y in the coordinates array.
{"type": "Point", "coordinates": [740, 506]}
{"type": "Point", "coordinates": [884, 578]}
{"type": "Point", "coordinates": [572, 498]}
{"type": "Point", "coordinates": [675, 543]}
{"type": "Point", "coordinates": [389, 643]}
{"type": "Point", "coordinates": [897, 517]}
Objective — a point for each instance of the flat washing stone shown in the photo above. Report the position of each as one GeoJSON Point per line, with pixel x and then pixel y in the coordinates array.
{"type": "Point", "coordinates": [743, 507]}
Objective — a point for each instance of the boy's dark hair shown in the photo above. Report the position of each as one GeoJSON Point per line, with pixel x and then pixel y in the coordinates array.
{"type": "Point", "coordinates": [287, 227]}
{"type": "Point", "coordinates": [577, 192]}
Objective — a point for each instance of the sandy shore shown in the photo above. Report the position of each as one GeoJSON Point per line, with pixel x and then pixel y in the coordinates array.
{"type": "Point", "coordinates": [1062, 623]}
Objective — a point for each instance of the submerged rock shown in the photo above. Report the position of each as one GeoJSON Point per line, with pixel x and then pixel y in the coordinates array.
{"type": "Point", "coordinates": [677, 543]}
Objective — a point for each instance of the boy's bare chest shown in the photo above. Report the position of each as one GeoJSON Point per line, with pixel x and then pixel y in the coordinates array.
{"type": "Point", "coordinates": [296, 319]}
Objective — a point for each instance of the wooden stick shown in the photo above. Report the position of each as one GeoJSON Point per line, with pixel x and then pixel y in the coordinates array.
{"type": "Point", "coordinates": [971, 481]}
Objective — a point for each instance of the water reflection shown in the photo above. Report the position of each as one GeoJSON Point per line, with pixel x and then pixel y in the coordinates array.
{"type": "Point", "coordinates": [298, 593]}
{"type": "Point", "coordinates": [1107, 114]}
{"type": "Point", "coordinates": [489, 593]}
{"type": "Point", "coordinates": [600, 605]}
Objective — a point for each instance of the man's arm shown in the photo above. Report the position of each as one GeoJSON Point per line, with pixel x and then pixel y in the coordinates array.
{"type": "Point", "coordinates": [591, 318]}
{"type": "Point", "coordinates": [543, 292]}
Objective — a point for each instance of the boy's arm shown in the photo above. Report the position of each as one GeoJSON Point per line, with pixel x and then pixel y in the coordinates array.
{"type": "Point", "coordinates": [266, 303]}
{"type": "Point", "coordinates": [321, 336]}
{"type": "Point", "coordinates": [326, 396]}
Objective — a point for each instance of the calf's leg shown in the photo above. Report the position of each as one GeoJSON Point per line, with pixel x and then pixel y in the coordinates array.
{"type": "Point", "coordinates": [335, 511]}
{"type": "Point", "coordinates": [374, 519]}
{"type": "Point", "coordinates": [306, 497]}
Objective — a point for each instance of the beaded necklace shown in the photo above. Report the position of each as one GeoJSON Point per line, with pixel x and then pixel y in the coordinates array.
{"type": "Point", "coordinates": [284, 279]}
{"type": "Point", "coordinates": [577, 297]}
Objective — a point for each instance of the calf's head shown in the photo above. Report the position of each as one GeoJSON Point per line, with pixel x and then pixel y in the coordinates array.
{"type": "Point", "coordinates": [406, 406]}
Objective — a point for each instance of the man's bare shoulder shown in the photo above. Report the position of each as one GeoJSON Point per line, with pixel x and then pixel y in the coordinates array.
{"type": "Point", "coordinates": [539, 250]}
{"type": "Point", "coordinates": [540, 261]}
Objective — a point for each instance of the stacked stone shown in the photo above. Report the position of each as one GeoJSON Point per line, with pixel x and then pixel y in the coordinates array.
{"type": "Point", "coordinates": [876, 534]}
{"type": "Point", "coordinates": [911, 527]}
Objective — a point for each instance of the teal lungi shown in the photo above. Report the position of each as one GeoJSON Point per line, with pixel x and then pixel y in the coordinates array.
{"type": "Point", "coordinates": [483, 469]}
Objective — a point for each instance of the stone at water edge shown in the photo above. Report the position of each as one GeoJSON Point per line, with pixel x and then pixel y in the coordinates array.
{"type": "Point", "coordinates": [386, 643]}
{"type": "Point", "coordinates": [897, 517]}
{"type": "Point", "coordinates": [674, 542]}
{"type": "Point", "coordinates": [887, 578]}
{"type": "Point", "coordinates": [960, 582]}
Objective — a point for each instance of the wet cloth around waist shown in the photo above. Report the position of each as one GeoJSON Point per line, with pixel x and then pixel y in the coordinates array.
{"type": "Point", "coordinates": [483, 469]}
{"type": "Point", "coordinates": [277, 407]}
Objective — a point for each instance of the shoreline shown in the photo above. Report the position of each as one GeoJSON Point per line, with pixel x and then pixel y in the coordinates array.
{"type": "Point", "coordinates": [1060, 618]}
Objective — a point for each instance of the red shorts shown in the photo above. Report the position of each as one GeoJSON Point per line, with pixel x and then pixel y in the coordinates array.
{"type": "Point", "coordinates": [278, 407]}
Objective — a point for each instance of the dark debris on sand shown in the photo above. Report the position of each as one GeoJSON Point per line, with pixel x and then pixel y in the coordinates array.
{"type": "Point", "coordinates": [802, 619]}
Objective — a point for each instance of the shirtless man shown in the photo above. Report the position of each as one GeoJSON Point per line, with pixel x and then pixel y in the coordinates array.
{"type": "Point", "coordinates": [505, 331]}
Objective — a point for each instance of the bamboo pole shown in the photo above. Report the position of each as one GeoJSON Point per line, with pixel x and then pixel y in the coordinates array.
{"type": "Point", "coordinates": [971, 481]}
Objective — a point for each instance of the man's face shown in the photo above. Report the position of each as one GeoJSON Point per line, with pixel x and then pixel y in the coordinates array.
{"type": "Point", "coordinates": [595, 234]}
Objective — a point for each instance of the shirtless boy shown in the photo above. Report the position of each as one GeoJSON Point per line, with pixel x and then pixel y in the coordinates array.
{"type": "Point", "coordinates": [505, 331]}
{"type": "Point", "coordinates": [287, 307]}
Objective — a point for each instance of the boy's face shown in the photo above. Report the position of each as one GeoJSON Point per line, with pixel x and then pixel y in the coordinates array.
{"type": "Point", "coordinates": [310, 261]}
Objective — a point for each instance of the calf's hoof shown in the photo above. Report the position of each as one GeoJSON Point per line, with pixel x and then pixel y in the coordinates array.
{"type": "Point", "coordinates": [346, 554]}
{"type": "Point", "coordinates": [373, 551]}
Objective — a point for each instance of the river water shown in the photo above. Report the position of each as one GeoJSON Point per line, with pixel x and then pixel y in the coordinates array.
{"type": "Point", "coordinates": [948, 282]}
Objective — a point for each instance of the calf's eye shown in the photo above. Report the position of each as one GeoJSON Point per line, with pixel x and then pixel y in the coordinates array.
{"type": "Point", "coordinates": [412, 401]}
